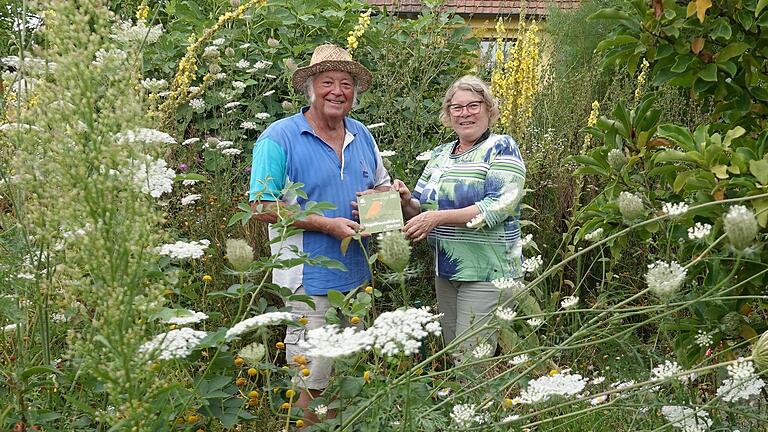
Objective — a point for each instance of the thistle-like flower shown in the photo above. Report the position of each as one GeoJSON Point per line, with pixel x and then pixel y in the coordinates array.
{"type": "Point", "coordinates": [616, 159]}
{"type": "Point", "coordinates": [760, 352]}
{"type": "Point", "coordinates": [665, 278]}
{"type": "Point", "coordinates": [631, 206]}
{"type": "Point", "coordinates": [239, 254]}
{"type": "Point", "coordinates": [394, 250]}
{"type": "Point", "coordinates": [740, 226]}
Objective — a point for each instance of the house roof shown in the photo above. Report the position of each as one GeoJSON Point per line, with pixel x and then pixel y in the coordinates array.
{"type": "Point", "coordinates": [479, 7]}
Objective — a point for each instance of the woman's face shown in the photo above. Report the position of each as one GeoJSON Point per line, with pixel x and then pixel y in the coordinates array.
{"type": "Point", "coordinates": [469, 116]}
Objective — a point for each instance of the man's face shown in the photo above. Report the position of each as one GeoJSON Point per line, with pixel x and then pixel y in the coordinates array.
{"type": "Point", "coordinates": [334, 93]}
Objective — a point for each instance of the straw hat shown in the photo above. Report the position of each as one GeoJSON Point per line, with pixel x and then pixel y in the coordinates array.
{"type": "Point", "coordinates": [332, 58]}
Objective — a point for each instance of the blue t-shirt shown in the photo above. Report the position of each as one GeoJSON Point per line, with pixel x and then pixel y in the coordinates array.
{"type": "Point", "coordinates": [289, 150]}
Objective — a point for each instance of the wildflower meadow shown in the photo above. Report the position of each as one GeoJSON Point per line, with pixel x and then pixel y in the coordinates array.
{"type": "Point", "coordinates": [135, 281]}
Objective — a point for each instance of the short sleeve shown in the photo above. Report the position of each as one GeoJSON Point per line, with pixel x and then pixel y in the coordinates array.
{"type": "Point", "coordinates": [267, 171]}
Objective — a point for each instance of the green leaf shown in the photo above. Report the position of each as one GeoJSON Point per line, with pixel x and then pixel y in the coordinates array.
{"type": "Point", "coordinates": [350, 387]}
{"type": "Point", "coordinates": [345, 245]}
{"type": "Point", "coordinates": [335, 298]}
{"type": "Point", "coordinates": [38, 370]}
{"type": "Point", "coordinates": [709, 73]}
{"type": "Point", "coordinates": [681, 180]}
{"type": "Point", "coordinates": [730, 51]}
{"type": "Point", "coordinates": [732, 134]}
{"type": "Point", "coordinates": [609, 14]}
{"type": "Point", "coordinates": [615, 41]}
{"type": "Point", "coordinates": [761, 209]}
{"type": "Point", "coordinates": [682, 62]}
{"type": "Point", "coordinates": [761, 4]}
{"type": "Point", "coordinates": [759, 169]}
{"type": "Point", "coordinates": [680, 135]}
{"type": "Point", "coordinates": [331, 317]}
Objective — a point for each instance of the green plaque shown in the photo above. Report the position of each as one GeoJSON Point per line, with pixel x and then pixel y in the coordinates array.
{"type": "Point", "coordinates": [380, 212]}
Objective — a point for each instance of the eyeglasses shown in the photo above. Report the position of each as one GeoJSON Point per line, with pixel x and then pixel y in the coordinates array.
{"type": "Point", "coordinates": [472, 108]}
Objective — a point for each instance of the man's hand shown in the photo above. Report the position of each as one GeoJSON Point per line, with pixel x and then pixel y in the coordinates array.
{"type": "Point", "coordinates": [342, 228]}
{"type": "Point", "coordinates": [422, 224]}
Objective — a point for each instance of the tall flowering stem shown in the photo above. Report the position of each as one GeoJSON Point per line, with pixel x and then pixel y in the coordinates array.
{"type": "Point", "coordinates": [515, 77]}
{"type": "Point", "coordinates": [187, 67]}
{"type": "Point", "coordinates": [356, 33]}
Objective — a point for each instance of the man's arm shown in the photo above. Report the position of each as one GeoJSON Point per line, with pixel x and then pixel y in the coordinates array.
{"type": "Point", "coordinates": [338, 227]}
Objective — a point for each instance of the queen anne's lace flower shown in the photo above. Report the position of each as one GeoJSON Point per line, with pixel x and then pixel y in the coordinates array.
{"type": "Point", "coordinates": [153, 85]}
{"type": "Point", "coordinates": [248, 125]}
{"type": "Point", "coordinates": [243, 64]}
{"type": "Point", "coordinates": [703, 339]}
{"type": "Point", "coordinates": [183, 250]}
{"type": "Point", "coordinates": [153, 177]}
{"type": "Point", "coordinates": [197, 104]}
{"type": "Point", "coordinates": [125, 31]}
{"type": "Point", "coordinates": [331, 342]}
{"type": "Point", "coordinates": [506, 314]}
{"type": "Point", "coordinates": [265, 319]}
{"type": "Point", "coordinates": [535, 322]}
{"type": "Point", "coordinates": [388, 153]}
{"type": "Point", "coordinates": [519, 359]}
{"type": "Point", "coordinates": [665, 278]}
{"type": "Point", "coordinates": [531, 265]}
{"type": "Point", "coordinates": [742, 384]}
{"type": "Point", "coordinates": [666, 370]}
{"type": "Point", "coordinates": [189, 199]}
{"type": "Point", "coordinates": [401, 330]}
{"type": "Point", "coordinates": [231, 152]}
{"type": "Point", "coordinates": [675, 209]}
{"type": "Point", "coordinates": [687, 419]}
{"type": "Point", "coordinates": [594, 236]}
{"type": "Point", "coordinates": [424, 156]}
{"type": "Point", "coordinates": [262, 115]}
{"type": "Point", "coordinates": [512, 285]}
{"type": "Point", "coordinates": [547, 386]}
{"type": "Point", "coordinates": [569, 302]}
{"type": "Point", "coordinates": [174, 344]}
{"type": "Point", "coordinates": [699, 231]}
{"type": "Point", "coordinates": [144, 136]}
{"type": "Point", "coordinates": [482, 351]}
{"type": "Point", "coordinates": [466, 416]}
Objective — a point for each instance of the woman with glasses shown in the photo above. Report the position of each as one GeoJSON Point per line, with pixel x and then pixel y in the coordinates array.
{"type": "Point", "coordinates": [466, 204]}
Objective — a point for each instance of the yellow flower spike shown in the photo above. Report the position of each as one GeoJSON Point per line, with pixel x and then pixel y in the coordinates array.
{"type": "Point", "coordinates": [142, 12]}
{"type": "Point", "coordinates": [367, 376]}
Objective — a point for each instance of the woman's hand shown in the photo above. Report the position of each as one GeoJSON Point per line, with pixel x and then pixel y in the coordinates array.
{"type": "Point", "coordinates": [421, 225]}
{"type": "Point", "coordinates": [405, 194]}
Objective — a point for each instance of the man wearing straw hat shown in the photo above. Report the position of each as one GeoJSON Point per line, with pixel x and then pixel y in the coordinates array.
{"type": "Point", "coordinates": [335, 157]}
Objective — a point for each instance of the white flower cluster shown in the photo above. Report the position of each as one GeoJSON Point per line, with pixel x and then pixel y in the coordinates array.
{"type": "Point", "coordinates": [189, 199]}
{"type": "Point", "coordinates": [153, 85]}
{"type": "Point", "coordinates": [112, 57]}
{"type": "Point", "coordinates": [519, 359]}
{"type": "Point", "coordinates": [527, 240]}
{"type": "Point", "coordinates": [687, 419]}
{"type": "Point", "coordinates": [187, 317]}
{"type": "Point", "coordinates": [243, 64]}
{"type": "Point", "coordinates": [36, 65]}
{"type": "Point", "coordinates": [424, 156]}
{"type": "Point", "coordinates": [125, 31]}
{"type": "Point", "coordinates": [699, 231]}
{"type": "Point", "coordinates": [144, 136]}
{"type": "Point", "coordinates": [674, 209]}
{"type": "Point", "coordinates": [174, 344]}
{"type": "Point", "coordinates": [531, 265]}
{"type": "Point", "coordinates": [666, 370]}
{"type": "Point", "coordinates": [402, 330]}
{"type": "Point", "coordinates": [630, 206]}
{"type": "Point", "coordinates": [514, 286]}
{"type": "Point", "coordinates": [231, 152]}
{"type": "Point", "coordinates": [665, 278]}
{"type": "Point", "coordinates": [262, 115]}
{"type": "Point", "coordinates": [482, 351]}
{"type": "Point", "coordinates": [742, 384]}
{"type": "Point", "coordinates": [153, 177]}
{"type": "Point", "coordinates": [741, 226]}
{"type": "Point", "coordinates": [183, 250]}
{"type": "Point", "coordinates": [248, 125]}
{"type": "Point", "coordinates": [535, 322]}
{"type": "Point", "coordinates": [543, 388]}
{"type": "Point", "coordinates": [569, 302]}
{"type": "Point", "coordinates": [506, 314]}
{"type": "Point", "coordinates": [266, 319]}
{"type": "Point", "coordinates": [703, 339]}
{"type": "Point", "coordinates": [387, 153]}
{"type": "Point", "coordinates": [197, 104]}
{"type": "Point", "coordinates": [394, 332]}
{"type": "Point", "coordinates": [466, 416]}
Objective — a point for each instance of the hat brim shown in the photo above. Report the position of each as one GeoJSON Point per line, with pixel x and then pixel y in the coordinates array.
{"type": "Point", "coordinates": [361, 75]}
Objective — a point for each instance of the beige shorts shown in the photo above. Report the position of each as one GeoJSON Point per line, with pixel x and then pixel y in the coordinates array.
{"type": "Point", "coordinates": [319, 369]}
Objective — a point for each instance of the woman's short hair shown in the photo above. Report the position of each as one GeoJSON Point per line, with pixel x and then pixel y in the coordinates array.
{"type": "Point", "coordinates": [476, 86]}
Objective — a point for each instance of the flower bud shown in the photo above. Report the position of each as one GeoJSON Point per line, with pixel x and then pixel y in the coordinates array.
{"type": "Point", "coordinates": [616, 159]}
{"type": "Point", "coordinates": [730, 324]}
{"type": "Point", "coordinates": [740, 226]}
{"type": "Point", "coordinates": [760, 352]}
{"type": "Point", "coordinates": [287, 106]}
{"type": "Point", "coordinates": [290, 64]}
{"type": "Point", "coordinates": [240, 254]}
{"type": "Point", "coordinates": [273, 43]}
{"type": "Point", "coordinates": [234, 3]}
{"type": "Point", "coordinates": [229, 52]}
{"type": "Point", "coordinates": [630, 206]}
{"type": "Point", "coordinates": [394, 250]}
{"type": "Point", "coordinates": [214, 68]}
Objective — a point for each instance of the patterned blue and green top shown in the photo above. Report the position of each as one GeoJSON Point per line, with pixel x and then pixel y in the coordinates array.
{"type": "Point", "coordinates": [491, 174]}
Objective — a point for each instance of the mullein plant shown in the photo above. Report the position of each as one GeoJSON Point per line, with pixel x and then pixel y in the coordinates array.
{"type": "Point", "coordinates": [86, 175]}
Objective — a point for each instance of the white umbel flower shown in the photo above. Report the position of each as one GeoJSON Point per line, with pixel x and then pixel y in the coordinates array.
{"type": "Point", "coordinates": [231, 152]}
{"type": "Point", "coordinates": [703, 339]}
{"type": "Point", "coordinates": [519, 359]}
{"type": "Point", "coordinates": [174, 344]}
{"type": "Point", "coordinates": [667, 370]}
{"type": "Point", "coordinates": [665, 278]}
{"type": "Point", "coordinates": [184, 250]}
{"type": "Point", "coordinates": [742, 384]}
{"type": "Point", "coordinates": [466, 416]}
{"type": "Point", "coordinates": [187, 317]}
{"type": "Point", "coordinates": [424, 156]}
{"type": "Point", "coordinates": [547, 386]}
{"type": "Point", "coordinates": [126, 32]}
{"type": "Point", "coordinates": [331, 342]}
{"type": "Point", "coordinates": [675, 209]}
{"type": "Point", "coordinates": [144, 136]}
{"type": "Point", "coordinates": [699, 231]}
{"type": "Point", "coordinates": [569, 302]}
{"type": "Point", "coordinates": [687, 419]}
{"type": "Point", "coordinates": [247, 125]}
{"type": "Point", "coordinates": [401, 330]}
{"type": "Point", "coordinates": [387, 153]}
{"type": "Point", "coordinates": [265, 319]}
{"type": "Point", "coordinates": [262, 115]}
{"type": "Point", "coordinates": [535, 322]}
{"type": "Point", "coordinates": [511, 285]}
{"type": "Point", "coordinates": [531, 265]}
{"type": "Point", "coordinates": [189, 199]}
{"type": "Point", "coordinates": [153, 177]}
{"type": "Point", "coordinates": [594, 236]}
{"type": "Point", "coordinates": [506, 314]}
{"type": "Point", "coordinates": [482, 351]}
